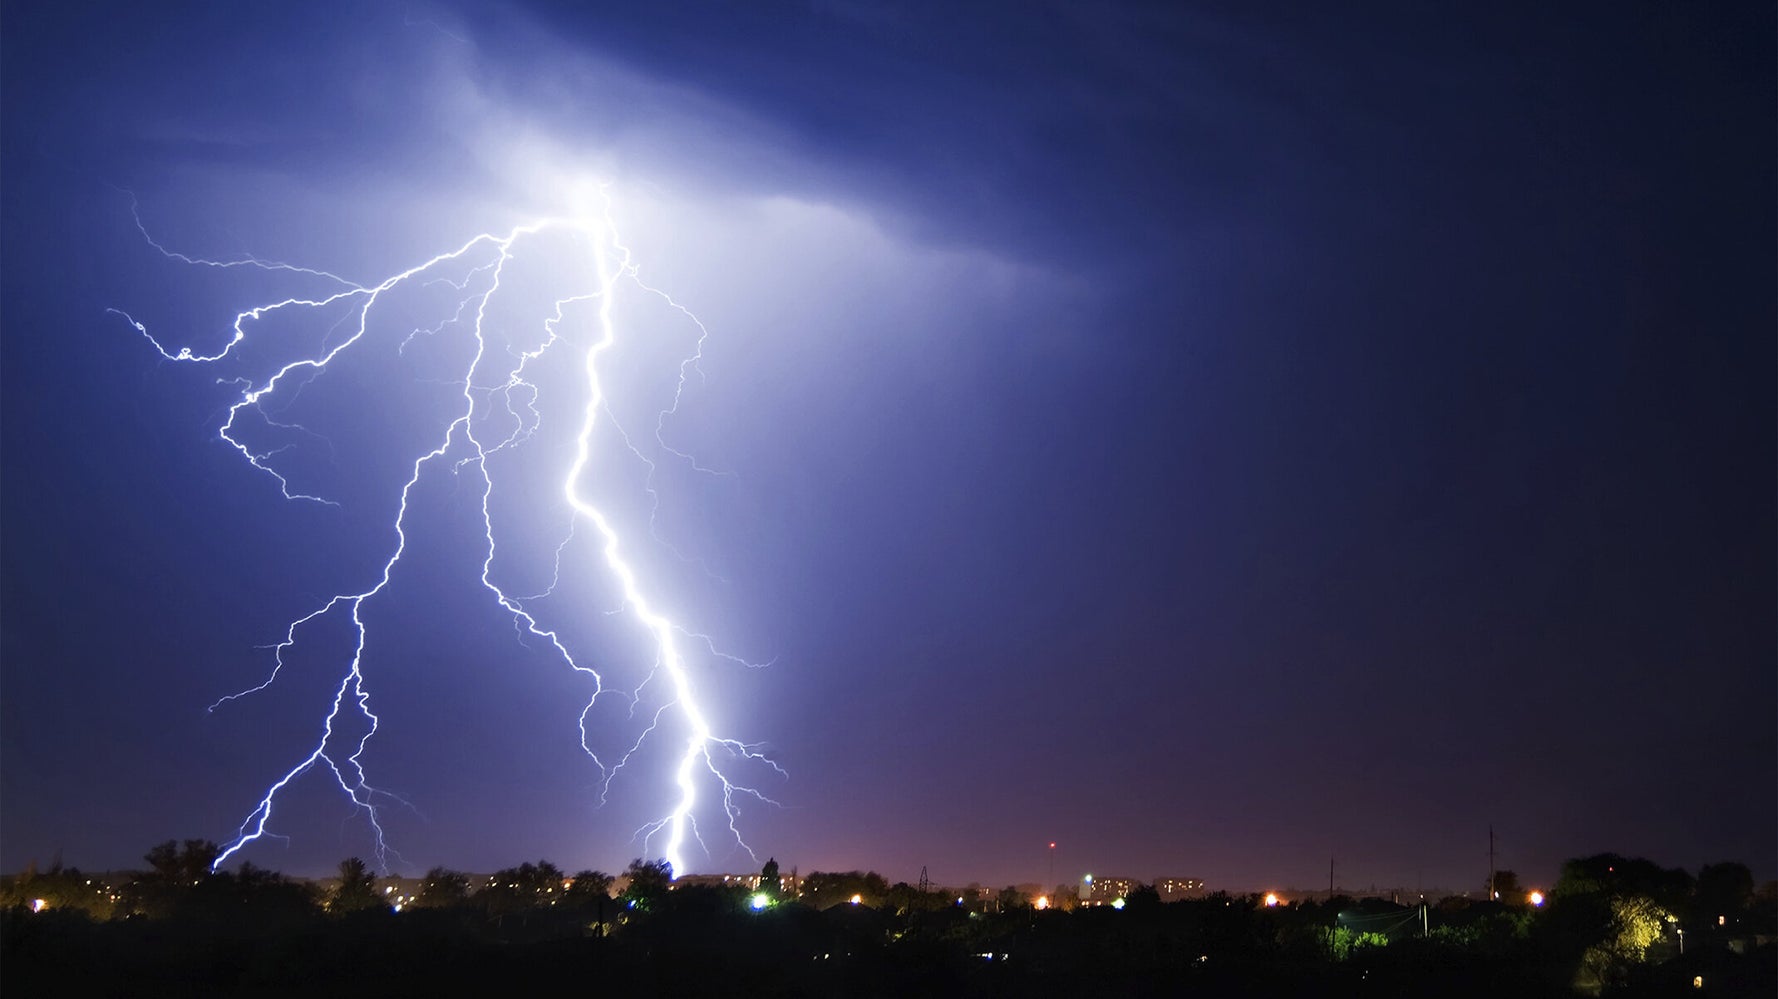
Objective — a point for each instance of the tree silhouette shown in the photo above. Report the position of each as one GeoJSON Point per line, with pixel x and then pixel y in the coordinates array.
{"type": "Point", "coordinates": [649, 883]}
{"type": "Point", "coordinates": [171, 864]}
{"type": "Point", "coordinates": [822, 889]}
{"type": "Point", "coordinates": [527, 886]}
{"type": "Point", "coordinates": [1724, 890]}
{"type": "Point", "coordinates": [357, 888]}
{"type": "Point", "coordinates": [163, 861]}
{"type": "Point", "coordinates": [260, 894]}
{"type": "Point", "coordinates": [588, 887]}
{"type": "Point", "coordinates": [1506, 888]}
{"type": "Point", "coordinates": [174, 872]}
{"type": "Point", "coordinates": [442, 888]}
{"type": "Point", "coordinates": [1143, 898]}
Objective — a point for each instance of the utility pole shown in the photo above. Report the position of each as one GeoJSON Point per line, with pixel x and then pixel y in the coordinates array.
{"type": "Point", "coordinates": [1492, 895]}
{"type": "Point", "coordinates": [1330, 870]}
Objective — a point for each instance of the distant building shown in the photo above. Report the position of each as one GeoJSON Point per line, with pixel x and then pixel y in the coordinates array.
{"type": "Point", "coordinates": [788, 884]}
{"type": "Point", "coordinates": [1174, 889]}
{"type": "Point", "coordinates": [1104, 891]}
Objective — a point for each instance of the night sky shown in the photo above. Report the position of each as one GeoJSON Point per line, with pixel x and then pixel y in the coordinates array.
{"type": "Point", "coordinates": [1214, 439]}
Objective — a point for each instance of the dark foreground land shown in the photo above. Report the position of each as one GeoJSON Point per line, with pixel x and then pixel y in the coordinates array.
{"type": "Point", "coordinates": [708, 944]}
{"type": "Point", "coordinates": [1611, 928]}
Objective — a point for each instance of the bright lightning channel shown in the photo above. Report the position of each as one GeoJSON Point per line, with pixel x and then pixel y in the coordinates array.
{"type": "Point", "coordinates": [704, 756]}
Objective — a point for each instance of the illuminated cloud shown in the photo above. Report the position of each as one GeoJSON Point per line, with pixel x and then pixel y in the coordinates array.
{"type": "Point", "coordinates": [600, 228]}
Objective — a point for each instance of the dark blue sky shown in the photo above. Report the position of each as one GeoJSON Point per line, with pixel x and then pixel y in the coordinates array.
{"type": "Point", "coordinates": [1212, 440]}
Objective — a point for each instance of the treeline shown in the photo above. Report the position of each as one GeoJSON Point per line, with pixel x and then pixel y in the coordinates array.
{"type": "Point", "coordinates": [179, 884]}
{"type": "Point", "coordinates": [1611, 925]}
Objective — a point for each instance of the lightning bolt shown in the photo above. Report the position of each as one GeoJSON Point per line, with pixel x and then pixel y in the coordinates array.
{"type": "Point", "coordinates": [498, 412]}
